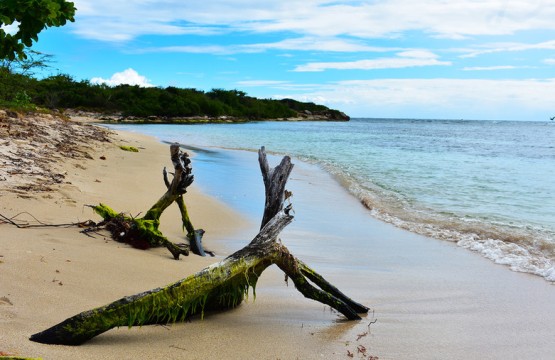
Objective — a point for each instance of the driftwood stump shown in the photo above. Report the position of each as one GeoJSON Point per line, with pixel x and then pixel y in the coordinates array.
{"type": "Point", "coordinates": [143, 232]}
{"type": "Point", "coordinates": [219, 286]}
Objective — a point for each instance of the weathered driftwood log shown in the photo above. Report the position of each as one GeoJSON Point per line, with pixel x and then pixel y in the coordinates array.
{"type": "Point", "coordinates": [219, 286]}
{"type": "Point", "coordinates": [143, 232]}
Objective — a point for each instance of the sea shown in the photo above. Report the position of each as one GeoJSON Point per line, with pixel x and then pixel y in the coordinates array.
{"type": "Point", "coordinates": [488, 186]}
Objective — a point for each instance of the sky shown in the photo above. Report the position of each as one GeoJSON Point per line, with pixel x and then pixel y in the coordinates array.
{"type": "Point", "coordinates": [433, 59]}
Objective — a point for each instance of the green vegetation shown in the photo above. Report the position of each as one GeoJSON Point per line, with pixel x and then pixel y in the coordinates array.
{"type": "Point", "coordinates": [30, 17]}
{"type": "Point", "coordinates": [129, 148]}
{"type": "Point", "coordinates": [154, 104]}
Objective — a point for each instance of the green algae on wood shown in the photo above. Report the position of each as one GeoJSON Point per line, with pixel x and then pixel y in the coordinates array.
{"type": "Point", "coordinates": [106, 212]}
{"type": "Point", "coordinates": [219, 286]}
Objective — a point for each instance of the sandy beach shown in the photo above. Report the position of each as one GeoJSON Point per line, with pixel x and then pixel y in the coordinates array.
{"type": "Point", "coordinates": [428, 299]}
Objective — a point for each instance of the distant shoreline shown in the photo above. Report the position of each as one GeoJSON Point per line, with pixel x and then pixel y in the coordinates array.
{"type": "Point", "coordinates": [120, 119]}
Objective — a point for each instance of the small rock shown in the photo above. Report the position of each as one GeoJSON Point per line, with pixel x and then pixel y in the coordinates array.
{"type": "Point", "coordinates": [5, 301]}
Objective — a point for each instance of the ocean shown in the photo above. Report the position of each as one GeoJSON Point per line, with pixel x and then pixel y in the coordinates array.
{"type": "Point", "coordinates": [488, 186]}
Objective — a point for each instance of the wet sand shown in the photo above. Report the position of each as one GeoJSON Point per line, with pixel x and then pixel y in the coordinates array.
{"type": "Point", "coordinates": [431, 300]}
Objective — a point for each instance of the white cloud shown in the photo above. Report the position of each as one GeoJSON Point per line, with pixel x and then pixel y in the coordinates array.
{"type": "Point", "coordinates": [405, 59]}
{"type": "Point", "coordinates": [417, 54]}
{"type": "Point", "coordinates": [488, 68]}
{"type": "Point", "coordinates": [508, 47]}
{"type": "Point", "coordinates": [264, 83]}
{"type": "Point", "coordinates": [268, 86]}
{"type": "Point", "coordinates": [311, 43]}
{"type": "Point", "coordinates": [200, 49]}
{"type": "Point", "coordinates": [437, 98]}
{"type": "Point", "coordinates": [549, 61]}
{"type": "Point", "coordinates": [124, 20]}
{"type": "Point", "coordinates": [128, 76]}
{"type": "Point", "coordinates": [304, 44]}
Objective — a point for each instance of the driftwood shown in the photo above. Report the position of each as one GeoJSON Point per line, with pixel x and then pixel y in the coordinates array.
{"type": "Point", "coordinates": [219, 286]}
{"type": "Point", "coordinates": [143, 232]}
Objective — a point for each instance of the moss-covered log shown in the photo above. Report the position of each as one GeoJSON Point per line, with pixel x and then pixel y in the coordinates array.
{"type": "Point", "coordinates": [219, 286]}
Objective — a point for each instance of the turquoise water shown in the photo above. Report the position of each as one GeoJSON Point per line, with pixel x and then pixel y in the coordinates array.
{"type": "Point", "coordinates": [488, 186]}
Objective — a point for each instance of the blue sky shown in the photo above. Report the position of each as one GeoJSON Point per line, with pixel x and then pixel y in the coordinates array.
{"type": "Point", "coordinates": [479, 59]}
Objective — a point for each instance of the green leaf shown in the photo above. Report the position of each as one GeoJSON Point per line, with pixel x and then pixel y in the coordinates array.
{"type": "Point", "coordinates": [5, 20]}
{"type": "Point", "coordinates": [33, 16]}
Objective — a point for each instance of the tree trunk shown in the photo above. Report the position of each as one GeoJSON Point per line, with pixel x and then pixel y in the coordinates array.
{"type": "Point", "coordinates": [219, 286]}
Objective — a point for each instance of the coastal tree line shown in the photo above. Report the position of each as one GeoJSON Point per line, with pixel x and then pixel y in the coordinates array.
{"type": "Point", "coordinates": [20, 89]}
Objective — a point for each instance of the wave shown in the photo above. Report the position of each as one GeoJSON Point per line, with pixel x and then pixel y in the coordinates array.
{"type": "Point", "coordinates": [521, 248]}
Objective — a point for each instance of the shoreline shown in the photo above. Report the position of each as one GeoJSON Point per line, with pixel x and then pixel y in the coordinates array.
{"type": "Point", "coordinates": [509, 240]}
{"type": "Point", "coordinates": [116, 119]}
{"type": "Point", "coordinates": [430, 299]}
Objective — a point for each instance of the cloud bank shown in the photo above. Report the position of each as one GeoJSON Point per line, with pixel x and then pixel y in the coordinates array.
{"type": "Point", "coordinates": [435, 98]}
{"type": "Point", "coordinates": [404, 59]}
{"type": "Point", "coordinates": [120, 21]}
{"type": "Point", "coordinates": [128, 76]}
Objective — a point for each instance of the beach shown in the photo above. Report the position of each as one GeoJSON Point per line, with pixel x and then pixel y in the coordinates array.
{"type": "Point", "coordinates": [428, 299]}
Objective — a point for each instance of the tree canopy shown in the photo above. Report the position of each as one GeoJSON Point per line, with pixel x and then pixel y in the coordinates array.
{"type": "Point", "coordinates": [31, 17]}
{"type": "Point", "coordinates": [170, 104]}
